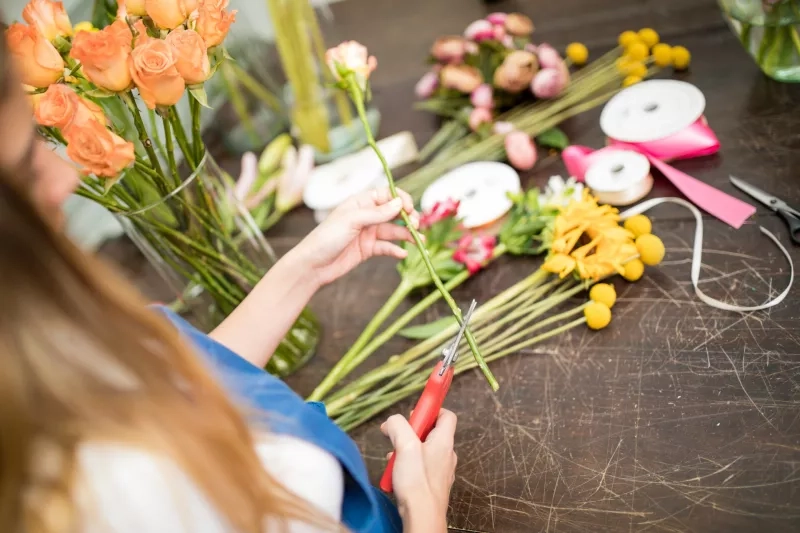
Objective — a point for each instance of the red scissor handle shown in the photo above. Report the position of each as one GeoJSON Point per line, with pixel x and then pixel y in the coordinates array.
{"type": "Point", "coordinates": [424, 416]}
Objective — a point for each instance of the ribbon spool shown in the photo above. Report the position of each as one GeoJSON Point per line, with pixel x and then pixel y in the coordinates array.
{"type": "Point", "coordinates": [619, 177]}
{"type": "Point", "coordinates": [481, 188]}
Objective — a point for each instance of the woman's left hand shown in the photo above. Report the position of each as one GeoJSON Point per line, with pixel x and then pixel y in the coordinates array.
{"type": "Point", "coordinates": [356, 230]}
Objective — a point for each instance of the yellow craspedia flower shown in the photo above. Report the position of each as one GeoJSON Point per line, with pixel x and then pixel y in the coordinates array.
{"type": "Point", "coordinates": [662, 55]}
{"type": "Point", "coordinates": [634, 270]}
{"type": "Point", "coordinates": [597, 314]}
{"type": "Point", "coordinates": [627, 38]}
{"type": "Point", "coordinates": [651, 249]}
{"type": "Point", "coordinates": [577, 53]}
{"type": "Point", "coordinates": [84, 26]}
{"type": "Point", "coordinates": [681, 58]}
{"type": "Point", "coordinates": [638, 51]}
{"type": "Point", "coordinates": [631, 80]}
{"type": "Point", "coordinates": [649, 37]}
{"type": "Point", "coordinates": [638, 225]}
{"type": "Point", "coordinates": [603, 293]}
{"type": "Point", "coordinates": [628, 67]}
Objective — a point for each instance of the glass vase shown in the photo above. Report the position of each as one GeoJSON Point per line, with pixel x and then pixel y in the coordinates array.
{"type": "Point", "coordinates": [207, 247]}
{"type": "Point", "coordinates": [769, 31]}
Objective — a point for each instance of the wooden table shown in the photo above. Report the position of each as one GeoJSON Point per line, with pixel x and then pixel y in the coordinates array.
{"type": "Point", "coordinates": [678, 417]}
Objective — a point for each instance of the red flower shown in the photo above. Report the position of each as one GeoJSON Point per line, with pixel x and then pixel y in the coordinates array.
{"type": "Point", "coordinates": [474, 251]}
{"type": "Point", "coordinates": [439, 212]}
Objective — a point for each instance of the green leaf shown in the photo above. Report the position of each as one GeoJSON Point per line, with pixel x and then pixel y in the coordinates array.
{"type": "Point", "coordinates": [99, 93]}
{"type": "Point", "coordinates": [553, 138]}
{"type": "Point", "coordinates": [199, 94]}
{"type": "Point", "coordinates": [425, 331]}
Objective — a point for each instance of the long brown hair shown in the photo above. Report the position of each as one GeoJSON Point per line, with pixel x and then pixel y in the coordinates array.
{"type": "Point", "coordinates": [82, 359]}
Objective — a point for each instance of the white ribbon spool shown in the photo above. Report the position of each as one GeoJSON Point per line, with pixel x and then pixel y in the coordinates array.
{"type": "Point", "coordinates": [697, 254]}
{"type": "Point", "coordinates": [619, 177]}
{"type": "Point", "coordinates": [482, 189]}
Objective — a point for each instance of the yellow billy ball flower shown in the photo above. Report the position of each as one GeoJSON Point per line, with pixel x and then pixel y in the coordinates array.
{"type": "Point", "coordinates": [631, 80]}
{"type": "Point", "coordinates": [649, 37]}
{"type": "Point", "coordinates": [634, 270]}
{"type": "Point", "coordinates": [627, 38]}
{"type": "Point", "coordinates": [638, 225]}
{"type": "Point", "coordinates": [651, 249]}
{"type": "Point", "coordinates": [637, 68]}
{"type": "Point", "coordinates": [84, 26]}
{"type": "Point", "coordinates": [577, 53]}
{"type": "Point", "coordinates": [662, 55]}
{"type": "Point", "coordinates": [637, 51]}
{"type": "Point", "coordinates": [681, 58]}
{"type": "Point", "coordinates": [603, 293]}
{"type": "Point", "coordinates": [597, 314]}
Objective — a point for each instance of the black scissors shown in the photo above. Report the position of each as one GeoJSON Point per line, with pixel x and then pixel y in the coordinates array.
{"type": "Point", "coordinates": [788, 213]}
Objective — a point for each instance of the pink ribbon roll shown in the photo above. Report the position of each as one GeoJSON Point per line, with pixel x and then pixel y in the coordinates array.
{"type": "Point", "coordinates": [696, 140]}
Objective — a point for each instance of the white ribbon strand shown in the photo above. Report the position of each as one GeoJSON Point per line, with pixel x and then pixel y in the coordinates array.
{"type": "Point", "coordinates": [697, 252]}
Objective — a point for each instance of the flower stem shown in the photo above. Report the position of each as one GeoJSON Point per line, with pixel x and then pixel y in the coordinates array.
{"type": "Point", "coordinates": [180, 136]}
{"type": "Point", "coordinates": [143, 137]}
{"type": "Point", "coordinates": [170, 149]}
{"type": "Point", "coordinates": [197, 136]}
{"type": "Point", "coordinates": [358, 100]}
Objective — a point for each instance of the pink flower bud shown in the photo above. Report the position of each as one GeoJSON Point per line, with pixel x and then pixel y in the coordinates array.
{"type": "Point", "coordinates": [549, 82]}
{"type": "Point", "coordinates": [503, 128]}
{"type": "Point", "coordinates": [508, 41]}
{"type": "Point", "coordinates": [449, 49]}
{"type": "Point", "coordinates": [548, 56]}
{"type": "Point", "coordinates": [532, 48]}
{"type": "Point", "coordinates": [479, 30]}
{"type": "Point", "coordinates": [520, 150]}
{"type": "Point", "coordinates": [499, 33]}
{"type": "Point", "coordinates": [426, 85]}
{"type": "Point", "coordinates": [471, 48]}
{"type": "Point", "coordinates": [497, 18]}
{"type": "Point", "coordinates": [479, 116]}
{"type": "Point", "coordinates": [483, 96]}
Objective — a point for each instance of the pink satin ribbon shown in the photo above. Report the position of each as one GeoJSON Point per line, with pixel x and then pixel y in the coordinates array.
{"type": "Point", "coordinates": [695, 141]}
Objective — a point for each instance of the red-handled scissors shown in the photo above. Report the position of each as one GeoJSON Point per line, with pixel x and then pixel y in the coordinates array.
{"type": "Point", "coordinates": [424, 415]}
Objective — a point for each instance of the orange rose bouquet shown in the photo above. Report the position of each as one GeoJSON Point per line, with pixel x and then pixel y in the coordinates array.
{"type": "Point", "coordinates": [102, 93]}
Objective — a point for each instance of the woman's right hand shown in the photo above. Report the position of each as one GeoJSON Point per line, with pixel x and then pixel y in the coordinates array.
{"type": "Point", "coordinates": [423, 472]}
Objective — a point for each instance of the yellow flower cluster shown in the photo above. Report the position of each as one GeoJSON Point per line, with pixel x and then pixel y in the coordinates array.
{"type": "Point", "coordinates": [644, 47]}
{"type": "Point", "coordinates": [597, 312]}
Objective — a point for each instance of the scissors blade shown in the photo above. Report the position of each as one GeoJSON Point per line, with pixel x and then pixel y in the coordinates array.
{"type": "Point", "coordinates": [769, 200]}
{"type": "Point", "coordinates": [451, 352]}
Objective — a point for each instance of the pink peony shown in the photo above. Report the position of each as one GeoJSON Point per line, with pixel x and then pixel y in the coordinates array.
{"type": "Point", "coordinates": [548, 56]}
{"type": "Point", "coordinates": [550, 82]}
{"type": "Point", "coordinates": [520, 150]}
{"type": "Point", "coordinates": [427, 85]}
{"type": "Point", "coordinates": [483, 96]}
{"type": "Point", "coordinates": [497, 18]}
{"type": "Point", "coordinates": [478, 116]}
{"type": "Point", "coordinates": [480, 30]}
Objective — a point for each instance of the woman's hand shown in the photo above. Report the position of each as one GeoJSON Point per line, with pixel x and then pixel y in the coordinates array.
{"type": "Point", "coordinates": [423, 471]}
{"type": "Point", "coordinates": [356, 230]}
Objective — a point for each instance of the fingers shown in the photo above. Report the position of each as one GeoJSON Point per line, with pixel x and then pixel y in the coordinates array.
{"type": "Point", "coordinates": [381, 207]}
{"type": "Point", "coordinates": [389, 249]}
{"type": "Point", "coordinates": [377, 214]}
{"type": "Point", "coordinates": [443, 434]}
{"type": "Point", "coordinates": [392, 232]}
{"type": "Point", "coordinates": [400, 432]}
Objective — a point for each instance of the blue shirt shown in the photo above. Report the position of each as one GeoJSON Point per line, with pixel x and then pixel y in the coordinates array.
{"type": "Point", "coordinates": [364, 508]}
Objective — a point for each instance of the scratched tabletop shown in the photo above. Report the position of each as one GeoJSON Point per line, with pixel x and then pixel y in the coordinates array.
{"type": "Point", "coordinates": [678, 417]}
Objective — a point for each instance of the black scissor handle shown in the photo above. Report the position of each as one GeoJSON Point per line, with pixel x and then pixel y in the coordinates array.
{"type": "Point", "coordinates": [794, 225]}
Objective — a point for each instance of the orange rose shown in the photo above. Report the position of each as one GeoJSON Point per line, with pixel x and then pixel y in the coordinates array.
{"type": "Point", "coordinates": [48, 17]}
{"type": "Point", "coordinates": [38, 61]}
{"type": "Point", "coordinates": [141, 33]}
{"type": "Point", "coordinates": [169, 14]}
{"type": "Point", "coordinates": [132, 7]}
{"type": "Point", "coordinates": [191, 55]}
{"type": "Point", "coordinates": [98, 150]}
{"type": "Point", "coordinates": [153, 69]}
{"type": "Point", "coordinates": [104, 55]}
{"type": "Point", "coordinates": [213, 22]}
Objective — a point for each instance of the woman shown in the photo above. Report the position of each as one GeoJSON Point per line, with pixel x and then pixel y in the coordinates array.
{"type": "Point", "coordinates": [115, 420]}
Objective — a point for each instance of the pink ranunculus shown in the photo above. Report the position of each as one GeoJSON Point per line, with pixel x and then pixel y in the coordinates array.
{"type": "Point", "coordinates": [499, 33]}
{"type": "Point", "coordinates": [548, 56]}
{"type": "Point", "coordinates": [497, 18]}
{"type": "Point", "coordinates": [520, 150]}
{"type": "Point", "coordinates": [449, 49]}
{"type": "Point", "coordinates": [478, 116]}
{"type": "Point", "coordinates": [427, 85]}
{"type": "Point", "coordinates": [550, 82]}
{"type": "Point", "coordinates": [483, 96]}
{"type": "Point", "coordinates": [439, 211]}
{"type": "Point", "coordinates": [473, 251]}
{"type": "Point", "coordinates": [502, 128]}
{"type": "Point", "coordinates": [479, 30]}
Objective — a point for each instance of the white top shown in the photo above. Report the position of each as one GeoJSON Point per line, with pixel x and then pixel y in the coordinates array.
{"type": "Point", "coordinates": [128, 490]}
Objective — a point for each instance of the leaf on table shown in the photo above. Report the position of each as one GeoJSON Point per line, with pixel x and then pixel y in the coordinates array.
{"type": "Point", "coordinates": [553, 138]}
{"type": "Point", "coordinates": [425, 331]}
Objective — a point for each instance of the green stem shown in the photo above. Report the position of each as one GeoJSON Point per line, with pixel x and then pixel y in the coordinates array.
{"type": "Point", "coordinates": [358, 100]}
{"type": "Point", "coordinates": [143, 137]}
{"type": "Point", "coordinates": [180, 136]}
{"type": "Point", "coordinates": [151, 115]}
{"type": "Point", "coordinates": [353, 357]}
{"type": "Point", "coordinates": [173, 167]}
{"type": "Point", "coordinates": [197, 136]}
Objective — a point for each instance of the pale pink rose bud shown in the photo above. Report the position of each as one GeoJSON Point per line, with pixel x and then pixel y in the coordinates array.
{"type": "Point", "coordinates": [479, 30]}
{"type": "Point", "coordinates": [483, 96]}
{"type": "Point", "coordinates": [499, 33]}
{"type": "Point", "coordinates": [502, 128]}
{"type": "Point", "coordinates": [478, 116]}
{"type": "Point", "coordinates": [426, 85]}
{"type": "Point", "coordinates": [471, 48]}
{"type": "Point", "coordinates": [548, 56]}
{"type": "Point", "coordinates": [449, 49]}
{"type": "Point", "coordinates": [520, 150]}
{"type": "Point", "coordinates": [532, 48]}
{"type": "Point", "coordinates": [497, 18]}
{"type": "Point", "coordinates": [508, 41]}
{"type": "Point", "coordinates": [549, 82]}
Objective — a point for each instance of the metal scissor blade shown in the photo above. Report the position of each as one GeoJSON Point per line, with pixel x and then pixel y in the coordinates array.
{"type": "Point", "coordinates": [769, 200]}
{"type": "Point", "coordinates": [451, 352]}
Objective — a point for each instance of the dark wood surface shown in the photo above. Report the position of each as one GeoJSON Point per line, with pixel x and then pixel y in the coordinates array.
{"type": "Point", "coordinates": [678, 417]}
